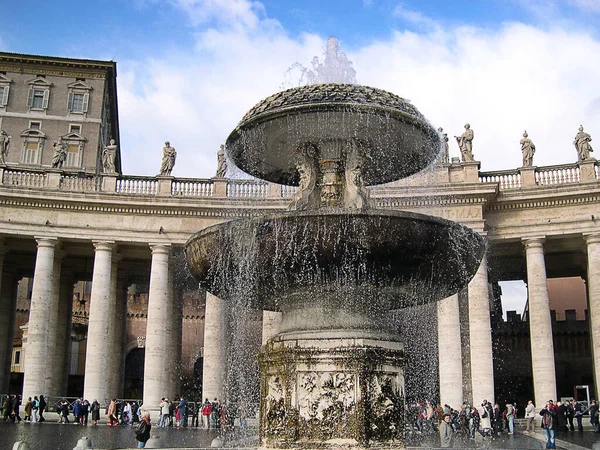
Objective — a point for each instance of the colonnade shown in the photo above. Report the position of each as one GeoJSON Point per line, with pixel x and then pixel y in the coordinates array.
{"type": "Point", "coordinates": [48, 330]}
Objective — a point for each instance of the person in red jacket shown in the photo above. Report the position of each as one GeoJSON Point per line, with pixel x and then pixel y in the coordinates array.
{"type": "Point", "coordinates": [549, 415]}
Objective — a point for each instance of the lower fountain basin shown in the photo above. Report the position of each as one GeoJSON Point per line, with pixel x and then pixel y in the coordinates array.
{"type": "Point", "coordinates": [357, 261]}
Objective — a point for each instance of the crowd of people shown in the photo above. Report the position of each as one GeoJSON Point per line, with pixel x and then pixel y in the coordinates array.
{"type": "Point", "coordinates": [489, 420]}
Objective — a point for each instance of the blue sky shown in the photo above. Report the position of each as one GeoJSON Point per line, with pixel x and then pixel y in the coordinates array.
{"type": "Point", "coordinates": [189, 69]}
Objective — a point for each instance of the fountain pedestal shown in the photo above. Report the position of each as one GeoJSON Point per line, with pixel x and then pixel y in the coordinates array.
{"type": "Point", "coordinates": [331, 387]}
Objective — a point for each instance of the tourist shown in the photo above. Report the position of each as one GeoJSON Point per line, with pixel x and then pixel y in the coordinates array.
{"type": "Point", "coordinates": [446, 433]}
{"type": "Point", "coordinates": [498, 423]}
{"type": "Point", "coordinates": [85, 411]}
{"type": "Point", "coordinates": [77, 416]}
{"type": "Point", "coordinates": [549, 413]}
{"type": "Point", "coordinates": [569, 413]}
{"type": "Point", "coordinates": [172, 408]}
{"type": "Point", "coordinates": [530, 417]}
{"type": "Point", "coordinates": [510, 418]}
{"type": "Point", "coordinates": [28, 408]}
{"type": "Point", "coordinates": [95, 410]}
{"type": "Point", "coordinates": [594, 416]}
{"type": "Point", "coordinates": [42, 408]}
{"type": "Point", "coordinates": [64, 412]}
{"type": "Point", "coordinates": [486, 419]}
{"type": "Point", "coordinates": [34, 409]}
{"type": "Point", "coordinates": [142, 432]}
{"type": "Point", "coordinates": [126, 414]}
{"type": "Point", "coordinates": [111, 413]}
{"type": "Point", "coordinates": [206, 414]}
{"type": "Point", "coordinates": [182, 408]}
{"type": "Point", "coordinates": [475, 421]}
{"type": "Point", "coordinates": [561, 417]}
{"type": "Point", "coordinates": [215, 411]}
{"type": "Point", "coordinates": [164, 405]}
{"type": "Point", "coordinates": [15, 408]}
{"type": "Point", "coordinates": [579, 409]}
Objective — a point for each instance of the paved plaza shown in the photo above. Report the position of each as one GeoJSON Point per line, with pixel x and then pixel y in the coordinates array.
{"type": "Point", "coordinates": [64, 437]}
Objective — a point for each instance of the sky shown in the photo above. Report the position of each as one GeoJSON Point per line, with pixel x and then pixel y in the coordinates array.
{"type": "Point", "coordinates": [188, 70]}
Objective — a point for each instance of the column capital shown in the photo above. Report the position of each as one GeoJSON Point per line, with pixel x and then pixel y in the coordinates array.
{"type": "Point", "coordinates": [50, 242]}
{"type": "Point", "coordinates": [160, 249]}
{"type": "Point", "coordinates": [592, 238]}
{"type": "Point", "coordinates": [104, 246]}
{"type": "Point", "coordinates": [535, 242]}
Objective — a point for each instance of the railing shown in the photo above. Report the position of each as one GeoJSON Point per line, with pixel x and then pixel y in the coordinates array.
{"type": "Point", "coordinates": [288, 191]}
{"type": "Point", "coordinates": [192, 187]}
{"type": "Point", "coordinates": [78, 183]}
{"type": "Point", "coordinates": [137, 185]}
{"type": "Point", "coordinates": [507, 179]}
{"type": "Point", "coordinates": [24, 178]}
{"type": "Point", "coordinates": [563, 174]}
{"type": "Point", "coordinates": [247, 189]}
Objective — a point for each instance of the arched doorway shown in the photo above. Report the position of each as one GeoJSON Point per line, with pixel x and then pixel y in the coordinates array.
{"type": "Point", "coordinates": [134, 374]}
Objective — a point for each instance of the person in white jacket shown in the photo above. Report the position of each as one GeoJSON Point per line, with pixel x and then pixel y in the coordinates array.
{"type": "Point", "coordinates": [530, 416]}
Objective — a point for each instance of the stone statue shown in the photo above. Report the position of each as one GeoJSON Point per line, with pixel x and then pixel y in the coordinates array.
{"type": "Point", "coordinates": [168, 160]}
{"type": "Point", "coordinates": [582, 144]}
{"type": "Point", "coordinates": [355, 195]}
{"type": "Point", "coordinates": [445, 146]}
{"type": "Point", "coordinates": [528, 150]}
{"type": "Point", "coordinates": [465, 143]}
{"type": "Point", "coordinates": [4, 146]}
{"type": "Point", "coordinates": [307, 196]}
{"type": "Point", "coordinates": [108, 157]}
{"type": "Point", "coordinates": [221, 163]}
{"type": "Point", "coordinates": [60, 153]}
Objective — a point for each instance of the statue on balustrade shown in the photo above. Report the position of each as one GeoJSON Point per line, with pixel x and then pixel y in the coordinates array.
{"type": "Point", "coordinates": [465, 143]}
{"type": "Point", "coordinates": [4, 146]}
{"type": "Point", "coordinates": [582, 144]}
{"type": "Point", "coordinates": [221, 163]}
{"type": "Point", "coordinates": [108, 157]}
{"type": "Point", "coordinates": [168, 159]}
{"type": "Point", "coordinates": [445, 146]}
{"type": "Point", "coordinates": [60, 153]}
{"type": "Point", "coordinates": [528, 150]}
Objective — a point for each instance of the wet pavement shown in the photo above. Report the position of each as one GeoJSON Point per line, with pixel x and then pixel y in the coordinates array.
{"type": "Point", "coordinates": [64, 437]}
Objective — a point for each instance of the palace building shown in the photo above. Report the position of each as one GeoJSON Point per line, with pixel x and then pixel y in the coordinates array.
{"type": "Point", "coordinates": [96, 301]}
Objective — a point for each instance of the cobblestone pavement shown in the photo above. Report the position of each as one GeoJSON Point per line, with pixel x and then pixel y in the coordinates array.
{"type": "Point", "coordinates": [64, 437]}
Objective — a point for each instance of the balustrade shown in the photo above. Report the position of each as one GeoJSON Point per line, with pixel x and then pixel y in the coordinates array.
{"type": "Point", "coordinates": [137, 185]}
{"type": "Point", "coordinates": [192, 187]}
{"type": "Point", "coordinates": [506, 179]}
{"type": "Point", "coordinates": [247, 189]}
{"type": "Point", "coordinates": [75, 182]}
{"type": "Point", "coordinates": [563, 174]}
{"type": "Point", "coordinates": [24, 178]}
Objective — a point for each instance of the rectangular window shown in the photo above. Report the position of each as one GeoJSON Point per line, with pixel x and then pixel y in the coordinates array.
{"type": "Point", "coordinates": [35, 125]}
{"type": "Point", "coordinates": [31, 153]}
{"type": "Point", "coordinates": [17, 360]}
{"type": "Point", "coordinates": [75, 129]}
{"type": "Point", "coordinates": [38, 98]}
{"type": "Point", "coordinates": [4, 95]}
{"type": "Point", "coordinates": [78, 103]}
{"type": "Point", "coordinates": [72, 155]}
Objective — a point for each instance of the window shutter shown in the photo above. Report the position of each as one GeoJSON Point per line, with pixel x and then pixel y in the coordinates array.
{"type": "Point", "coordinates": [86, 101]}
{"type": "Point", "coordinates": [70, 102]}
{"type": "Point", "coordinates": [46, 97]}
{"type": "Point", "coordinates": [30, 97]}
{"type": "Point", "coordinates": [5, 96]}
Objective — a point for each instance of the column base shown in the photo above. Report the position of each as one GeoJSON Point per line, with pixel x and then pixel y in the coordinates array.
{"type": "Point", "coordinates": [331, 391]}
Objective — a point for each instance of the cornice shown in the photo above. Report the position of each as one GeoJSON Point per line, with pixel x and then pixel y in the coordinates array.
{"type": "Point", "coordinates": [544, 202]}
{"type": "Point", "coordinates": [45, 65]}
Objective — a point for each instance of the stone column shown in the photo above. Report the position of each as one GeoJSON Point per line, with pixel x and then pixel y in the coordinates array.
{"type": "Point", "coordinates": [7, 319]}
{"type": "Point", "coordinates": [37, 362]}
{"type": "Point", "coordinates": [54, 368]}
{"type": "Point", "coordinates": [540, 323]}
{"type": "Point", "coordinates": [480, 337]}
{"type": "Point", "coordinates": [121, 294]}
{"type": "Point", "coordinates": [449, 351]}
{"type": "Point", "coordinates": [593, 282]}
{"type": "Point", "coordinates": [176, 289]}
{"type": "Point", "coordinates": [63, 326]}
{"type": "Point", "coordinates": [117, 328]}
{"type": "Point", "coordinates": [98, 357]}
{"type": "Point", "coordinates": [158, 330]}
{"type": "Point", "coordinates": [270, 325]}
{"type": "Point", "coordinates": [215, 348]}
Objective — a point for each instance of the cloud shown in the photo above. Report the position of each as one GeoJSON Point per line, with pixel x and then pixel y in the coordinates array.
{"type": "Point", "coordinates": [415, 18]}
{"type": "Point", "coordinates": [501, 81]}
{"type": "Point", "coordinates": [592, 6]}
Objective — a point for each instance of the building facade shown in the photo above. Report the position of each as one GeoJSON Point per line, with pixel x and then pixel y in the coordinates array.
{"type": "Point", "coordinates": [122, 237]}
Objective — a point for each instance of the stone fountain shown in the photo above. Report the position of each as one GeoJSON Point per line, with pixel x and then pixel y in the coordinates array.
{"type": "Point", "coordinates": [331, 264]}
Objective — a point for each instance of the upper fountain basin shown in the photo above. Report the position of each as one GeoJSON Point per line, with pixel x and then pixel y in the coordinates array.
{"type": "Point", "coordinates": [396, 139]}
{"type": "Point", "coordinates": [369, 260]}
